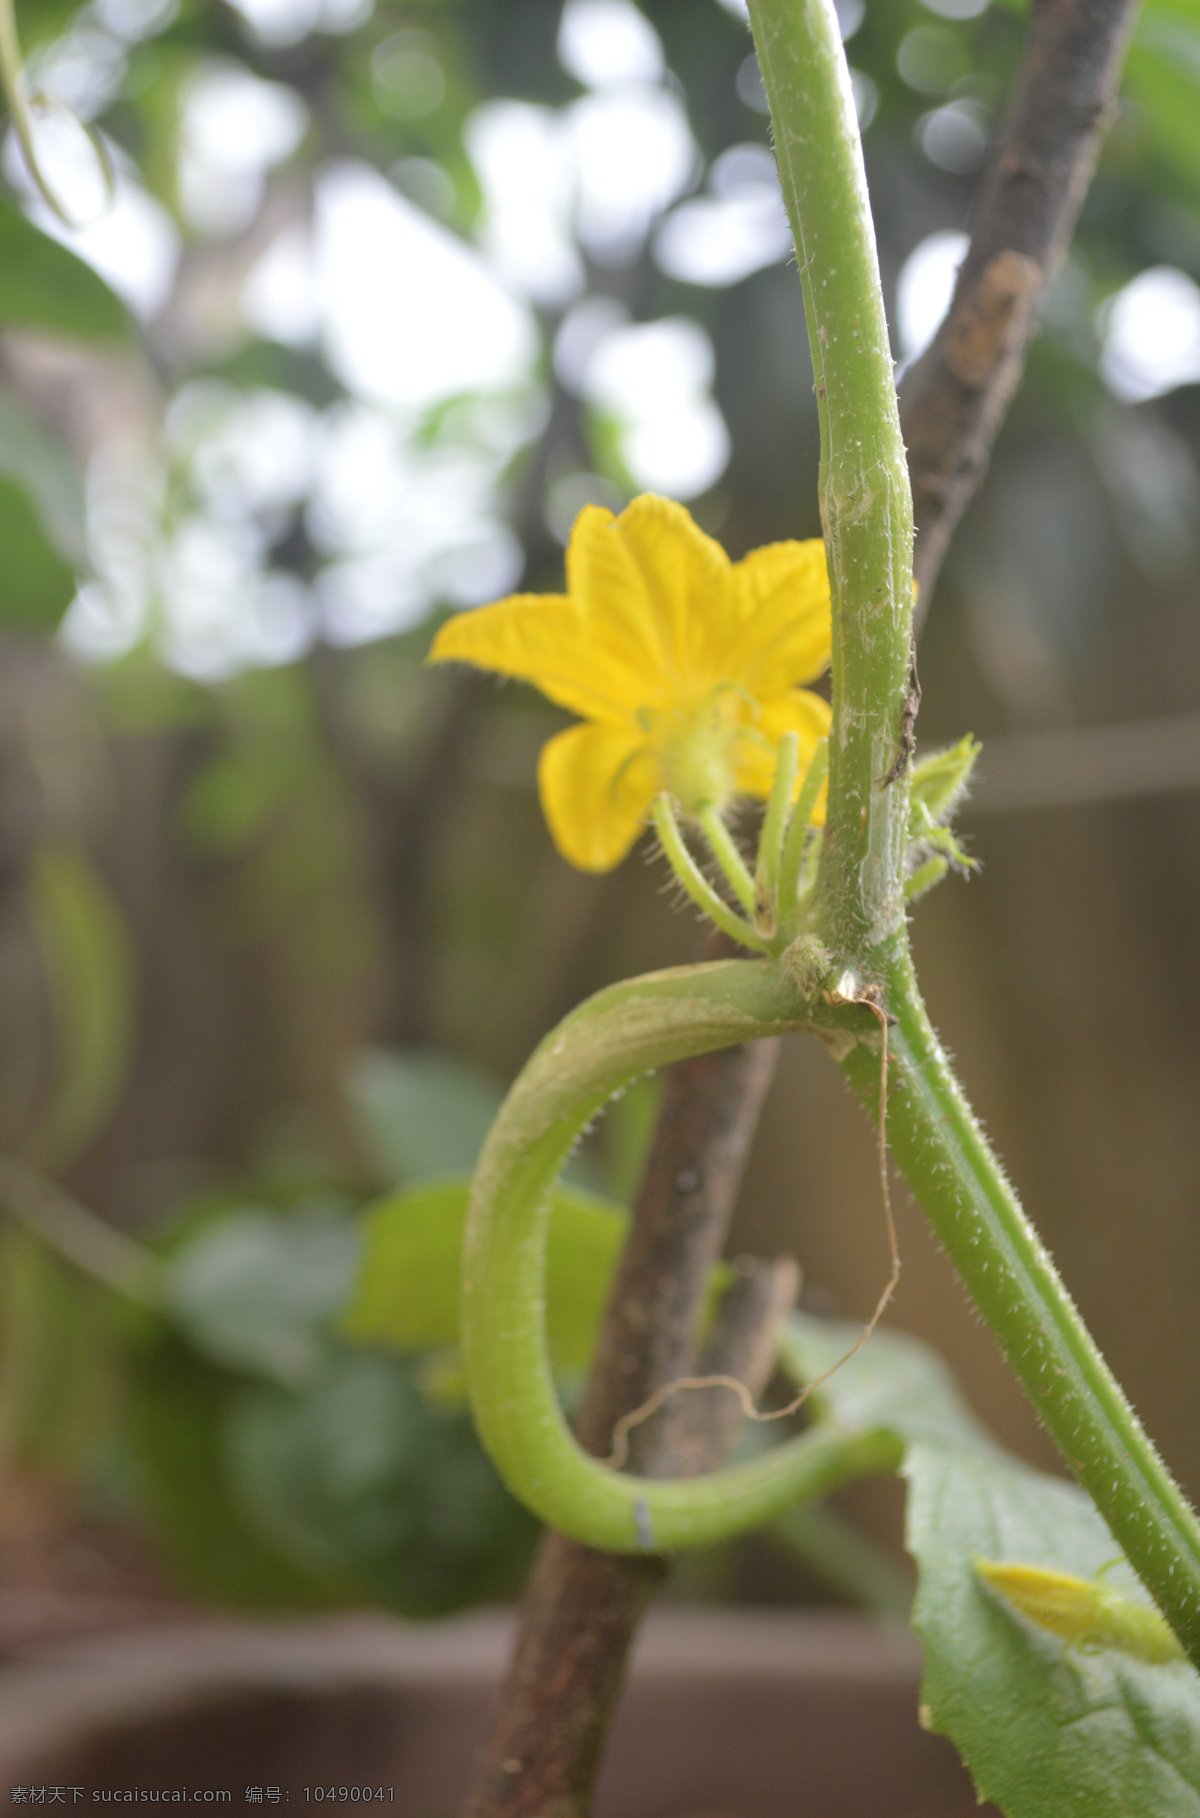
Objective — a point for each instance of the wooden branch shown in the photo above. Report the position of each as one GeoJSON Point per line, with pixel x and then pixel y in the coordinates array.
{"type": "Point", "coordinates": [582, 1607]}
{"type": "Point", "coordinates": [956, 396]}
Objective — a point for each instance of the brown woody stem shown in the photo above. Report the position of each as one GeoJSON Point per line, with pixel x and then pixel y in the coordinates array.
{"type": "Point", "coordinates": [957, 394]}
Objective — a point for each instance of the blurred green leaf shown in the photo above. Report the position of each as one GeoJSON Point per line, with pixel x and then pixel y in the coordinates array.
{"type": "Point", "coordinates": [177, 1436]}
{"type": "Point", "coordinates": [256, 1290]}
{"type": "Point", "coordinates": [1045, 1728]}
{"type": "Point", "coordinates": [38, 584]}
{"type": "Point", "coordinates": [361, 1482]}
{"type": "Point", "coordinates": [44, 286]}
{"type": "Point", "coordinates": [422, 1115]}
{"type": "Point", "coordinates": [88, 962]}
{"type": "Point", "coordinates": [1163, 73]}
{"type": "Point", "coordinates": [407, 1295]}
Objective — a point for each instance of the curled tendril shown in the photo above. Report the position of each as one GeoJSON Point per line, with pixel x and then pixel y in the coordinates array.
{"type": "Point", "coordinates": [22, 104]}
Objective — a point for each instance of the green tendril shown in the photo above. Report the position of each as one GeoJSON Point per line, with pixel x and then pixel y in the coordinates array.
{"type": "Point", "coordinates": [13, 88]}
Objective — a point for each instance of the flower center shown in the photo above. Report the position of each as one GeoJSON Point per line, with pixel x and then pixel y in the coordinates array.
{"type": "Point", "coordinates": [696, 752]}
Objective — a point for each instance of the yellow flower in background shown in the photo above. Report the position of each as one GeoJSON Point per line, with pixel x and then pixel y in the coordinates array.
{"type": "Point", "coordinates": [686, 668]}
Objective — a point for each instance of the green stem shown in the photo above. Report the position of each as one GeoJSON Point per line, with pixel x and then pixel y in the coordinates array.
{"type": "Point", "coordinates": [866, 503]}
{"type": "Point", "coordinates": [867, 512]}
{"type": "Point", "coordinates": [94, 1246]}
{"type": "Point", "coordinates": [953, 1173]}
{"type": "Point", "coordinates": [609, 1041]}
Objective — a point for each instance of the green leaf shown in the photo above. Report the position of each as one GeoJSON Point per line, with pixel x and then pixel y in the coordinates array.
{"type": "Point", "coordinates": [38, 585]}
{"type": "Point", "coordinates": [422, 1114]}
{"type": "Point", "coordinates": [1163, 74]}
{"type": "Point", "coordinates": [179, 1416]}
{"type": "Point", "coordinates": [894, 1381]}
{"type": "Point", "coordinates": [88, 963]}
{"type": "Point", "coordinates": [44, 286]}
{"type": "Point", "coordinates": [1047, 1730]}
{"type": "Point", "coordinates": [257, 1290]}
{"type": "Point", "coordinates": [365, 1485]}
{"type": "Point", "coordinates": [407, 1295]}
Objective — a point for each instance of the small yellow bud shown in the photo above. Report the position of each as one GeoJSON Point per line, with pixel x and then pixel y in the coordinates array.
{"type": "Point", "coordinates": [1083, 1611]}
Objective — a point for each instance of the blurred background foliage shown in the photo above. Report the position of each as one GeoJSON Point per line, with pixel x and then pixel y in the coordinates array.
{"type": "Point", "coordinates": [383, 294]}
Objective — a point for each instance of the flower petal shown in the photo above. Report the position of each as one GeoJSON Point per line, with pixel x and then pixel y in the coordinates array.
{"type": "Point", "coordinates": [800, 712]}
{"type": "Point", "coordinates": [606, 584]}
{"type": "Point", "coordinates": [597, 784]}
{"type": "Point", "coordinates": [780, 625]}
{"type": "Point", "coordinates": [687, 581]}
{"type": "Point", "coordinates": [546, 639]}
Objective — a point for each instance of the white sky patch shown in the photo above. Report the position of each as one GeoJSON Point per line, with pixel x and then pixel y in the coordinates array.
{"type": "Point", "coordinates": [601, 42]}
{"type": "Point", "coordinates": [520, 156]}
{"type": "Point", "coordinates": [654, 378]}
{"type": "Point", "coordinates": [603, 169]}
{"type": "Point", "coordinates": [924, 289]}
{"type": "Point", "coordinates": [1151, 335]}
{"type": "Point", "coordinates": [250, 453]}
{"type": "Point", "coordinates": [125, 491]}
{"type": "Point", "coordinates": [233, 128]}
{"type": "Point", "coordinates": [279, 298]}
{"type": "Point", "coordinates": [282, 22]}
{"type": "Point", "coordinates": [226, 613]}
{"type": "Point", "coordinates": [737, 229]}
{"type": "Point", "coordinates": [581, 333]}
{"type": "Point", "coordinates": [955, 137]}
{"type": "Point", "coordinates": [134, 19]}
{"type": "Point", "coordinates": [633, 153]}
{"type": "Point", "coordinates": [403, 527]}
{"type": "Point", "coordinates": [412, 315]}
{"type": "Point", "coordinates": [83, 69]}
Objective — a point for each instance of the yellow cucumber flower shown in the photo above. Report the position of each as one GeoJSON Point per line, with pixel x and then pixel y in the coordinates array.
{"type": "Point", "coordinates": [684, 665]}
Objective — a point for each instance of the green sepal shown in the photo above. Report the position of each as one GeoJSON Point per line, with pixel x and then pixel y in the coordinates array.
{"type": "Point", "coordinates": [940, 781]}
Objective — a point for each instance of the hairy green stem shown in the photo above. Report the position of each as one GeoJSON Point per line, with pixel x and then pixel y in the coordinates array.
{"type": "Point", "coordinates": [617, 1035]}
{"type": "Point", "coordinates": [1002, 1262]}
{"type": "Point", "coordinates": [866, 503]}
{"type": "Point", "coordinates": [867, 511]}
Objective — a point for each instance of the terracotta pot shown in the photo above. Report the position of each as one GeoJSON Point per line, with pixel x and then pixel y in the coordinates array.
{"type": "Point", "coordinates": [727, 1714]}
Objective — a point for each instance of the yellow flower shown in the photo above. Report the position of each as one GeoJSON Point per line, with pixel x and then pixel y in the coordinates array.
{"type": "Point", "coordinates": [685, 667]}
